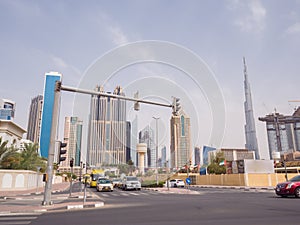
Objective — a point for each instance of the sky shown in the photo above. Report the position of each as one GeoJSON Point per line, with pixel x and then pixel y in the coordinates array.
{"type": "Point", "coordinates": [71, 36]}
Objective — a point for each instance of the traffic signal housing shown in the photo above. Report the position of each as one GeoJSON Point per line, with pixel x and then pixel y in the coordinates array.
{"type": "Point", "coordinates": [176, 106]}
{"type": "Point", "coordinates": [61, 152]}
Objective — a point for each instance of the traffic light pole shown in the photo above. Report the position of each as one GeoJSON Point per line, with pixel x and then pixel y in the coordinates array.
{"type": "Point", "coordinates": [49, 171]}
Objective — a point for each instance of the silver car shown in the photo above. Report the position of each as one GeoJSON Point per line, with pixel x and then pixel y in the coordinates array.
{"type": "Point", "coordinates": [131, 183]}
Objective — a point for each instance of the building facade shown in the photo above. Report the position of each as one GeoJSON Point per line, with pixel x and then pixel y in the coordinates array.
{"type": "Point", "coordinates": [197, 155]}
{"type": "Point", "coordinates": [7, 109]}
{"type": "Point", "coordinates": [48, 103]}
{"type": "Point", "coordinates": [181, 152]}
{"type": "Point", "coordinates": [283, 132]}
{"type": "Point", "coordinates": [73, 138]}
{"type": "Point", "coordinates": [147, 136]}
{"type": "Point", "coordinates": [205, 155]}
{"type": "Point", "coordinates": [11, 132]}
{"type": "Point", "coordinates": [107, 129]}
{"type": "Point", "coordinates": [34, 119]}
{"type": "Point", "coordinates": [250, 130]}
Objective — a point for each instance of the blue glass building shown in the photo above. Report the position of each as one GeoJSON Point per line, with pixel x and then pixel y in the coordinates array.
{"type": "Point", "coordinates": [46, 123]}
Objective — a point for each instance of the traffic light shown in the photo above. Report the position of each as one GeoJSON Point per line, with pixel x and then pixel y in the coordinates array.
{"type": "Point", "coordinates": [61, 152]}
{"type": "Point", "coordinates": [71, 162]}
{"type": "Point", "coordinates": [176, 106]}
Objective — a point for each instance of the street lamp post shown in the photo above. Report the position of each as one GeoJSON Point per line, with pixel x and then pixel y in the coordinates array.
{"type": "Point", "coordinates": [156, 160]}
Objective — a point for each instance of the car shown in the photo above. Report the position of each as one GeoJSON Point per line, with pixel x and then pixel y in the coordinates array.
{"type": "Point", "coordinates": [289, 188]}
{"type": "Point", "coordinates": [104, 185]}
{"type": "Point", "coordinates": [131, 183]}
{"type": "Point", "coordinates": [116, 182]}
{"type": "Point", "coordinates": [176, 183]}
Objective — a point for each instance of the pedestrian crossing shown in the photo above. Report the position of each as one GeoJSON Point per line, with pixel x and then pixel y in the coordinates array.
{"type": "Point", "coordinates": [18, 218]}
{"type": "Point", "coordinates": [127, 194]}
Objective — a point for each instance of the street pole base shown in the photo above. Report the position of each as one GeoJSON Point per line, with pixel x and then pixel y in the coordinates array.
{"type": "Point", "coordinates": [44, 203]}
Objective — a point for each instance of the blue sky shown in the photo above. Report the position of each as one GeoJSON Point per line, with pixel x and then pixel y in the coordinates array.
{"type": "Point", "coordinates": [68, 36]}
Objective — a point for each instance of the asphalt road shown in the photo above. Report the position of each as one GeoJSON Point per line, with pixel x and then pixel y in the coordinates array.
{"type": "Point", "coordinates": [209, 206]}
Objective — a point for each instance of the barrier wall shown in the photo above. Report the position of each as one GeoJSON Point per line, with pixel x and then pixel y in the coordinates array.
{"type": "Point", "coordinates": [251, 180]}
{"type": "Point", "coordinates": [11, 180]}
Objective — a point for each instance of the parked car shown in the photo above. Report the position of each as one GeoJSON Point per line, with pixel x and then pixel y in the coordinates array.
{"type": "Point", "coordinates": [289, 188]}
{"type": "Point", "coordinates": [176, 183]}
{"type": "Point", "coordinates": [104, 185]}
{"type": "Point", "coordinates": [116, 182]}
{"type": "Point", "coordinates": [131, 182]}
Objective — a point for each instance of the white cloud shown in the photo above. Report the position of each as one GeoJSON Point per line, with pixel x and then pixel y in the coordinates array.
{"type": "Point", "coordinates": [251, 16]}
{"type": "Point", "coordinates": [293, 29]}
{"type": "Point", "coordinates": [117, 35]}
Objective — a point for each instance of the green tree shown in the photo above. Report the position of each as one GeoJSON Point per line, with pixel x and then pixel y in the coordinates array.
{"type": "Point", "coordinates": [214, 167]}
{"type": "Point", "coordinates": [30, 159]}
{"type": "Point", "coordinates": [9, 156]}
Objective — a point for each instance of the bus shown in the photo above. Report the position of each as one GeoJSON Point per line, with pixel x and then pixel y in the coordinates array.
{"type": "Point", "coordinates": [95, 175]}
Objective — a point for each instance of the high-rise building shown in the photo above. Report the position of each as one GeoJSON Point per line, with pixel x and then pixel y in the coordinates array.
{"type": "Point", "coordinates": [134, 140]}
{"type": "Point", "coordinates": [164, 157]}
{"type": "Point", "coordinates": [48, 103]}
{"type": "Point", "coordinates": [283, 132]}
{"type": "Point", "coordinates": [197, 155]}
{"type": "Point", "coordinates": [128, 141]}
{"type": "Point", "coordinates": [181, 152]}
{"type": "Point", "coordinates": [205, 154]}
{"type": "Point", "coordinates": [147, 136]}
{"type": "Point", "coordinates": [250, 131]}
{"type": "Point", "coordinates": [73, 137]}
{"type": "Point", "coordinates": [107, 129]}
{"type": "Point", "coordinates": [34, 119]}
{"type": "Point", "coordinates": [7, 109]}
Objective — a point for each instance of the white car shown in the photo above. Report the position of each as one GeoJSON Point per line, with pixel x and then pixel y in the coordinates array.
{"type": "Point", "coordinates": [176, 183]}
{"type": "Point", "coordinates": [131, 182]}
{"type": "Point", "coordinates": [104, 185]}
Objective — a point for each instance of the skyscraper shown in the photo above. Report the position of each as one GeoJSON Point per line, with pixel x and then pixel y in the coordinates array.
{"type": "Point", "coordinates": [283, 132]}
{"type": "Point", "coordinates": [34, 119]}
{"type": "Point", "coordinates": [181, 152]}
{"type": "Point", "coordinates": [250, 131]}
{"type": "Point", "coordinates": [107, 129]}
{"type": "Point", "coordinates": [73, 137]}
{"type": "Point", "coordinates": [147, 136]}
{"type": "Point", "coordinates": [7, 109]}
{"type": "Point", "coordinates": [46, 123]}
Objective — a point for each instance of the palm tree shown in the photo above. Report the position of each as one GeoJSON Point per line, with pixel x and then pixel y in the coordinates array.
{"type": "Point", "coordinates": [30, 158]}
{"type": "Point", "coordinates": [9, 156]}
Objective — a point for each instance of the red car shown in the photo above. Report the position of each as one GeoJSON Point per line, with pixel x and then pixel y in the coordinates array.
{"type": "Point", "coordinates": [291, 187]}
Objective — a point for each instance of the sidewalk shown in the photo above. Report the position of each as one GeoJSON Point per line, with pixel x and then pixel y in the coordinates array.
{"type": "Point", "coordinates": [30, 201]}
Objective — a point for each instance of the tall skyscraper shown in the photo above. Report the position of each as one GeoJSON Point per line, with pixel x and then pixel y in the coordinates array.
{"type": "Point", "coordinates": [7, 109]}
{"type": "Point", "coordinates": [283, 132]}
{"type": "Point", "coordinates": [46, 123]}
{"type": "Point", "coordinates": [181, 152]}
{"type": "Point", "coordinates": [73, 137]}
{"type": "Point", "coordinates": [134, 140]}
{"type": "Point", "coordinates": [205, 154]}
{"type": "Point", "coordinates": [34, 119]}
{"type": "Point", "coordinates": [107, 129]}
{"type": "Point", "coordinates": [250, 131]}
{"type": "Point", "coordinates": [197, 155]}
{"type": "Point", "coordinates": [147, 136]}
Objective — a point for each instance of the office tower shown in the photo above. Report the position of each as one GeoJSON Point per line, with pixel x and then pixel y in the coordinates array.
{"type": "Point", "coordinates": [205, 154]}
{"type": "Point", "coordinates": [164, 157]}
{"type": "Point", "coordinates": [73, 137]}
{"type": "Point", "coordinates": [134, 140]}
{"type": "Point", "coordinates": [48, 103]}
{"type": "Point", "coordinates": [283, 132]}
{"type": "Point", "coordinates": [34, 119]}
{"type": "Point", "coordinates": [197, 155]}
{"type": "Point", "coordinates": [181, 152]}
{"type": "Point", "coordinates": [7, 109]}
{"type": "Point", "coordinates": [128, 141]}
{"type": "Point", "coordinates": [250, 131]}
{"type": "Point", "coordinates": [107, 129]}
{"type": "Point", "coordinates": [147, 136]}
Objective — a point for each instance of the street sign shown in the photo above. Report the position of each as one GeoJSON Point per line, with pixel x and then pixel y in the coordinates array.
{"type": "Point", "coordinates": [188, 180]}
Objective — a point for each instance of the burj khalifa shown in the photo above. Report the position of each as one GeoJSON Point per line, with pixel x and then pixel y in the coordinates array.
{"type": "Point", "coordinates": [250, 131]}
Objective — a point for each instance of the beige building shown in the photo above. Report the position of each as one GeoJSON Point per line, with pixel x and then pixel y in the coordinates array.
{"type": "Point", "coordinates": [11, 132]}
{"type": "Point", "coordinates": [181, 150]}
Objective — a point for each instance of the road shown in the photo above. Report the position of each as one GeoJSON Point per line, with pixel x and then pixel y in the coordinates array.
{"type": "Point", "coordinates": [207, 206]}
